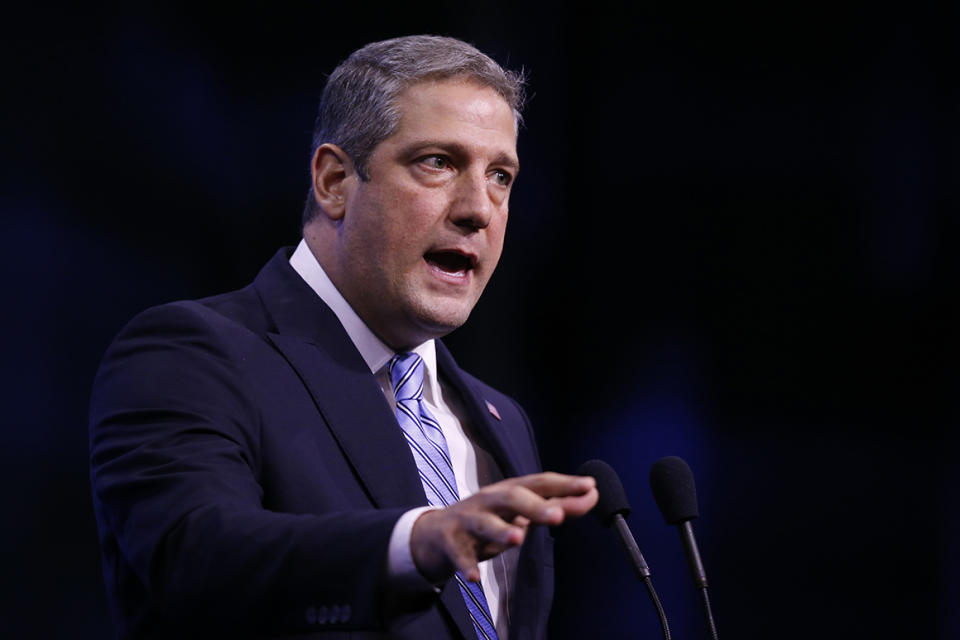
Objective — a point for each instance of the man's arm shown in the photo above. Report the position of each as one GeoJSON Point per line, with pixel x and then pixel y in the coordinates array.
{"type": "Point", "coordinates": [175, 466]}
{"type": "Point", "coordinates": [494, 519]}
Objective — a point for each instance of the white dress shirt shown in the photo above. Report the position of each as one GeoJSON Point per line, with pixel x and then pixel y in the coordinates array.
{"type": "Point", "coordinates": [470, 463]}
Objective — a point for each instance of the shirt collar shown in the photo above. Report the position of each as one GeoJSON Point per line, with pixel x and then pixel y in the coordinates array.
{"type": "Point", "coordinates": [372, 349]}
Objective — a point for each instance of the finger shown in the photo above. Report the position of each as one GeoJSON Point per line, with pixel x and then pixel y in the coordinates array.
{"type": "Point", "coordinates": [491, 531]}
{"type": "Point", "coordinates": [576, 506]}
{"type": "Point", "coordinates": [520, 521]}
{"type": "Point", "coordinates": [491, 549]}
{"type": "Point", "coordinates": [463, 556]}
{"type": "Point", "coordinates": [550, 484]}
{"type": "Point", "coordinates": [509, 500]}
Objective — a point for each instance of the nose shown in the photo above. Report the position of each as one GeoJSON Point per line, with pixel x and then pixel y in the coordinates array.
{"type": "Point", "coordinates": [474, 201]}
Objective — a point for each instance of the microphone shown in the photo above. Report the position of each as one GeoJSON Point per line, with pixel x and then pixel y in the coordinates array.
{"type": "Point", "coordinates": [676, 494]}
{"type": "Point", "coordinates": [612, 507]}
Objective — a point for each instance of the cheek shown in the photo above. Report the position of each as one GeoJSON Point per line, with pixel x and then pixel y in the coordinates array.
{"type": "Point", "coordinates": [408, 209]}
{"type": "Point", "coordinates": [383, 224]}
{"type": "Point", "coordinates": [417, 210]}
{"type": "Point", "coordinates": [497, 229]}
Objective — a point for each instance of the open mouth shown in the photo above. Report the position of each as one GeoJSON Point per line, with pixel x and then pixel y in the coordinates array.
{"type": "Point", "coordinates": [449, 261]}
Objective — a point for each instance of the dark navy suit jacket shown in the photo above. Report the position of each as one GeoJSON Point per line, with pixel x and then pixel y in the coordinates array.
{"type": "Point", "coordinates": [247, 473]}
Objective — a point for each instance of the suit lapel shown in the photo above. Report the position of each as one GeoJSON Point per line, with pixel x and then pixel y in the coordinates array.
{"type": "Point", "coordinates": [489, 434]}
{"type": "Point", "coordinates": [488, 431]}
{"type": "Point", "coordinates": [312, 340]}
{"type": "Point", "coordinates": [353, 406]}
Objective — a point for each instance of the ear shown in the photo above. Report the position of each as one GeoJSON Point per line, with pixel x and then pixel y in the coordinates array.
{"type": "Point", "coordinates": [333, 173]}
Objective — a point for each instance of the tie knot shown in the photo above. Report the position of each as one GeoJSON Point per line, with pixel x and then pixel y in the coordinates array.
{"type": "Point", "coordinates": [406, 376]}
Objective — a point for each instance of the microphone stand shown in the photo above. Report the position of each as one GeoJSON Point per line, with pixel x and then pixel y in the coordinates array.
{"type": "Point", "coordinates": [640, 566]}
{"type": "Point", "coordinates": [696, 569]}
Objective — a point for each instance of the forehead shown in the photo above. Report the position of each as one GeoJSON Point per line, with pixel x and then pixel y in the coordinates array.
{"type": "Point", "coordinates": [454, 106]}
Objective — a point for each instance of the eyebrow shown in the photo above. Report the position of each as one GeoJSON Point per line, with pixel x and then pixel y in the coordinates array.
{"type": "Point", "coordinates": [458, 150]}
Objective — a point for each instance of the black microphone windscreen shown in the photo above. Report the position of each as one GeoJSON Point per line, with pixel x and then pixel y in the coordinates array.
{"type": "Point", "coordinates": [613, 499]}
{"type": "Point", "coordinates": [674, 490]}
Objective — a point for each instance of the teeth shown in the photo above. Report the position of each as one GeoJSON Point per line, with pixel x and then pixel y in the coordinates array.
{"type": "Point", "coordinates": [460, 272]}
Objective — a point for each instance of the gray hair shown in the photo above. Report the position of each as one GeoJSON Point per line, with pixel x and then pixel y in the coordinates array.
{"type": "Point", "coordinates": [358, 107]}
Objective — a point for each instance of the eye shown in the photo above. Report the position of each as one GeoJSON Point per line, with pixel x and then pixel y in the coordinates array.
{"type": "Point", "coordinates": [435, 162]}
{"type": "Point", "coordinates": [501, 177]}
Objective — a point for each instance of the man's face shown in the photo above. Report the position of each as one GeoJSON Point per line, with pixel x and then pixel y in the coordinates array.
{"type": "Point", "coordinates": [420, 239]}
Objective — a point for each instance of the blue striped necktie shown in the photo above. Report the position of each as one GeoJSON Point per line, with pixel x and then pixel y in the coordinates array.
{"type": "Point", "coordinates": [429, 448]}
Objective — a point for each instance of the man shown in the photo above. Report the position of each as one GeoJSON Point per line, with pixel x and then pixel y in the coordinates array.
{"type": "Point", "coordinates": [303, 455]}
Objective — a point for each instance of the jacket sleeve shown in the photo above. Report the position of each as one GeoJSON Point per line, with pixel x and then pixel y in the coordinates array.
{"type": "Point", "coordinates": [175, 471]}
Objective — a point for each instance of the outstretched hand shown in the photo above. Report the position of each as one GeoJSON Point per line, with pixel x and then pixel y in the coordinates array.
{"type": "Point", "coordinates": [493, 520]}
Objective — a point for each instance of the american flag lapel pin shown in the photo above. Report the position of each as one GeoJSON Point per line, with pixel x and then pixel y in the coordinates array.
{"type": "Point", "coordinates": [493, 410]}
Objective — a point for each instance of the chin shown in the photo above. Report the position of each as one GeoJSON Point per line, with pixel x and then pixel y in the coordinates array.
{"type": "Point", "coordinates": [442, 318]}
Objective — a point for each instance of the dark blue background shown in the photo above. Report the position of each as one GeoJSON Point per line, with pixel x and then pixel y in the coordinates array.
{"type": "Point", "coordinates": [730, 241]}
